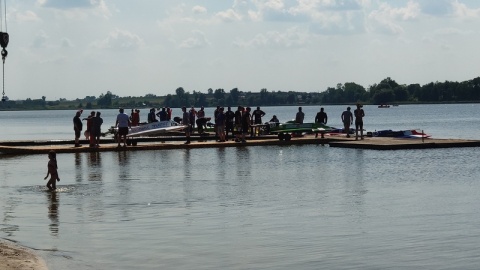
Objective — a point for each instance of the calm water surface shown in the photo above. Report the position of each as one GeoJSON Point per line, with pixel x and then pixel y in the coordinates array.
{"type": "Point", "coordinates": [277, 207]}
{"type": "Point", "coordinates": [440, 121]}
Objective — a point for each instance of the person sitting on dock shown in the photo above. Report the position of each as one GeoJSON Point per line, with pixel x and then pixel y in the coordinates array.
{"type": "Point", "coordinates": [359, 114]}
{"type": "Point", "coordinates": [347, 119]}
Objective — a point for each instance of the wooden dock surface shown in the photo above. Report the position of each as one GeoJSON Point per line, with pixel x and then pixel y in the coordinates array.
{"type": "Point", "coordinates": [373, 143]}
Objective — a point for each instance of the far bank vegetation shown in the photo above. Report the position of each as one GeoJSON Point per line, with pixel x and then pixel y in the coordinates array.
{"type": "Point", "coordinates": [388, 91]}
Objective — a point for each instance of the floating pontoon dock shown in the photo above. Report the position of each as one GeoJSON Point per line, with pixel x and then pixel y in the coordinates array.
{"type": "Point", "coordinates": [165, 143]}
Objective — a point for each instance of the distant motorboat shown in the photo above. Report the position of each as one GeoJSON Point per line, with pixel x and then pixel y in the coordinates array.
{"type": "Point", "coordinates": [383, 106]}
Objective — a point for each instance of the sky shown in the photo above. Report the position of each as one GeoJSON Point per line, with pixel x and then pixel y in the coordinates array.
{"type": "Point", "coordinates": [77, 48]}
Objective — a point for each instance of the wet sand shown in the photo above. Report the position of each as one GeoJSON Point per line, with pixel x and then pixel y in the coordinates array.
{"type": "Point", "coordinates": [15, 257]}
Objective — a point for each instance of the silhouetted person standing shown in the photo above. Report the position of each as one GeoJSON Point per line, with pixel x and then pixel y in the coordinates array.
{"type": "Point", "coordinates": [347, 119]}
{"type": "Point", "coordinates": [359, 114]}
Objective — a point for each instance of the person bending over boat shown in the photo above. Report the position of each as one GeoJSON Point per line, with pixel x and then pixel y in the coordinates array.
{"type": "Point", "coordinates": [347, 119]}
{"type": "Point", "coordinates": [359, 114]}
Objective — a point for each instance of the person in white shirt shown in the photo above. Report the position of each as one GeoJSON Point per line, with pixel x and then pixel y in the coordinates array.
{"type": "Point", "coordinates": [123, 123]}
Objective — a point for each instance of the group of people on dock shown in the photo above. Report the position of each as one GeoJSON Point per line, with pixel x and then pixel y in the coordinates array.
{"type": "Point", "coordinates": [347, 119]}
{"type": "Point", "coordinates": [238, 123]}
{"type": "Point", "coordinates": [94, 128]}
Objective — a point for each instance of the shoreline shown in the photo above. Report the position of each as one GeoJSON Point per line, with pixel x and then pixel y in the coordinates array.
{"type": "Point", "coordinates": [16, 257]}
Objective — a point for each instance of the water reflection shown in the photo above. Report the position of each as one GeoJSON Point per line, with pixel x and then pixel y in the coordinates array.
{"type": "Point", "coordinates": [8, 211]}
{"type": "Point", "coordinates": [221, 162]}
{"type": "Point", "coordinates": [78, 167]}
{"type": "Point", "coordinates": [123, 164]}
{"type": "Point", "coordinates": [244, 166]}
{"type": "Point", "coordinates": [53, 203]}
{"type": "Point", "coordinates": [355, 186]}
{"type": "Point", "coordinates": [95, 166]}
{"type": "Point", "coordinates": [187, 180]}
{"type": "Point", "coordinates": [124, 186]}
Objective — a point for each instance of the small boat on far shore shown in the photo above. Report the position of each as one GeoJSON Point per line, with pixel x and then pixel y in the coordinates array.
{"type": "Point", "coordinates": [383, 106]}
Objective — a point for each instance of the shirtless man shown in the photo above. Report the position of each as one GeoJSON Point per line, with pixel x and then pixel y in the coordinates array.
{"type": "Point", "coordinates": [347, 119]}
{"type": "Point", "coordinates": [359, 114]}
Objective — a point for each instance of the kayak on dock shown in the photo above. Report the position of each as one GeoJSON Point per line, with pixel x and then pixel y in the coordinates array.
{"type": "Point", "coordinates": [412, 133]}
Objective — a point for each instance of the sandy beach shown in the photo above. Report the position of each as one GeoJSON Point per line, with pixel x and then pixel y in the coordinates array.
{"type": "Point", "coordinates": [15, 257]}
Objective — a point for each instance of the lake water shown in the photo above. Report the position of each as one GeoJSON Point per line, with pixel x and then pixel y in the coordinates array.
{"type": "Point", "coordinates": [275, 207]}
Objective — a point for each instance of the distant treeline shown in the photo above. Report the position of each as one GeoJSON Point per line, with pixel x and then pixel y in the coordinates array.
{"type": "Point", "coordinates": [386, 92]}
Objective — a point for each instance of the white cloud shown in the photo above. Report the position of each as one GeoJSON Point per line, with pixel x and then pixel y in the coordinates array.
{"type": "Point", "coordinates": [229, 15]}
{"type": "Point", "coordinates": [27, 16]}
{"type": "Point", "coordinates": [291, 38]}
{"type": "Point", "coordinates": [199, 10]}
{"type": "Point", "coordinates": [436, 7]}
{"type": "Point", "coordinates": [198, 40]}
{"type": "Point", "coordinates": [386, 19]}
{"type": "Point", "coordinates": [463, 11]}
{"type": "Point", "coordinates": [267, 34]}
{"type": "Point", "coordinates": [120, 40]}
{"type": "Point", "coordinates": [78, 8]}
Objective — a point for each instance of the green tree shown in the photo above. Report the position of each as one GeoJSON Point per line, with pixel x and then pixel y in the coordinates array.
{"type": "Point", "coordinates": [105, 101]}
{"type": "Point", "coordinates": [235, 95]}
{"type": "Point", "coordinates": [384, 96]}
{"type": "Point", "coordinates": [401, 93]}
{"type": "Point", "coordinates": [219, 94]}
